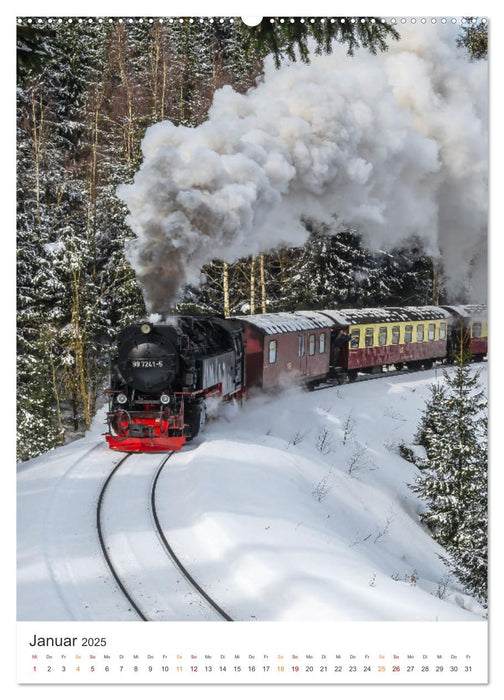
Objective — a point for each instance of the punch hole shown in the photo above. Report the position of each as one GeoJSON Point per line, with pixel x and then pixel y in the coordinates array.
{"type": "Point", "coordinates": [251, 21]}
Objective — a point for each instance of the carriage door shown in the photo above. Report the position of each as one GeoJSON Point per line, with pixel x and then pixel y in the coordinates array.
{"type": "Point", "coordinates": [302, 350]}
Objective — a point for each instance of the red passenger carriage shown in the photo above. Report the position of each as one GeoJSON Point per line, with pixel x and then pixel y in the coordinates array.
{"type": "Point", "coordinates": [286, 347]}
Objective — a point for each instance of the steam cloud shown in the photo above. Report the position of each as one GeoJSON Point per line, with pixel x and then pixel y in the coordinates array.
{"type": "Point", "coordinates": [394, 145]}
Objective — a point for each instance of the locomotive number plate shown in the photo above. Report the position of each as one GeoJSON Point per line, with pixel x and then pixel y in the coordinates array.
{"type": "Point", "coordinates": [147, 363]}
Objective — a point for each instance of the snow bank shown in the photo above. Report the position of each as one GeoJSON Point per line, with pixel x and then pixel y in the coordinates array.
{"type": "Point", "coordinates": [294, 507]}
{"type": "Point", "coordinates": [304, 502]}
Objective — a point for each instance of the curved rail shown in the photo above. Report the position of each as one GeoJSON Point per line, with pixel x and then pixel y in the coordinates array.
{"type": "Point", "coordinates": [169, 550]}
{"type": "Point", "coordinates": [172, 554]}
{"type": "Point", "coordinates": [104, 547]}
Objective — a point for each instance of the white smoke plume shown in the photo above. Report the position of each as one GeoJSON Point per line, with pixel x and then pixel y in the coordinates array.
{"type": "Point", "coordinates": [394, 145]}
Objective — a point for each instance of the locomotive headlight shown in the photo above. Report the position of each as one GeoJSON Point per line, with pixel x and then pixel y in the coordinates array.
{"type": "Point", "coordinates": [122, 398]}
{"type": "Point", "coordinates": [165, 399]}
{"type": "Point", "coordinates": [146, 328]}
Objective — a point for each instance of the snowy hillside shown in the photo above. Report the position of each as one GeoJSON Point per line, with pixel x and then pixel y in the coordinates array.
{"type": "Point", "coordinates": [293, 507]}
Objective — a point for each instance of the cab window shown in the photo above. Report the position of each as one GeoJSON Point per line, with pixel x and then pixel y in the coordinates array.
{"type": "Point", "coordinates": [321, 343]}
{"type": "Point", "coordinates": [272, 351]}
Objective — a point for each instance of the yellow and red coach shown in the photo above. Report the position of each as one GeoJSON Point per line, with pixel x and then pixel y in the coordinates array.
{"type": "Point", "coordinates": [411, 336]}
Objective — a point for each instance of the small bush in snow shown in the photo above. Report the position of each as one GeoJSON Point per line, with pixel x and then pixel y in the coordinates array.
{"type": "Point", "coordinates": [357, 459]}
{"type": "Point", "coordinates": [325, 440]}
{"type": "Point", "coordinates": [384, 528]}
{"type": "Point", "coordinates": [298, 437]}
{"type": "Point", "coordinates": [348, 427]}
{"type": "Point", "coordinates": [322, 488]}
{"type": "Point", "coordinates": [442, 587]}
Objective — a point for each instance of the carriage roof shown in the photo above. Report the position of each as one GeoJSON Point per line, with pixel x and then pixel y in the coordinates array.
{"type": "Point", "coordinates": [274, 323]}
{"type": "Point", "coordinates": [391, 314]}
{"type": "Point", "coordinates": [470, 311]}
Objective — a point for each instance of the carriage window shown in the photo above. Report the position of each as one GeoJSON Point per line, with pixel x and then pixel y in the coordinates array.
{"type": "Point", "coordinates": [311, 344]}
{"type": "Point", "coordinates": [395, 334]}
{"type": "Point", "coordinates": [382, 336]}
{"type": "Point", "coordinates": [420, 333]}
{"type": "Point", "coordinates": [369, 339]}
{"type": "Point", "coordinates": [476, 330]}
{"type": "Point", "coordinates": [408, 334]}
{"type": "Point", "coordinates": [432, 331]}
{"type": "Point", "coordinates": [321, 345]}
{"type": "Point", "coordinates": [442, 331]}
{"type": "Point", "coordinates": [301, 346]}
{"type": "Point", "coordinates": [355, 338]}
{"type": "Point", "coordinates": [272, 351]}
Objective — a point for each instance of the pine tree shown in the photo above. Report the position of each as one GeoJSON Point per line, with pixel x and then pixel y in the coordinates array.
{"type": "Point", "coordinates": [474, 37]}
{"type": "Point", "coordinates": [291, 37]}
{"type": "Point", "coordinates": [402, 276]}
{"type": "Point", "coordinates": [453, 480]}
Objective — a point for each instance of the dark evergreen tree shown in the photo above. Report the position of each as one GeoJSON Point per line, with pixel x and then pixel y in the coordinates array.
{"type": "Point", "coordinates": [453, 480]}
{"type": "Point", "coordinates": [474, 37]}
{"type": "Point", "coordinates": [329, 271]}
{"type": "Point", "coordinates": [290, 36]}
{"type": "Point", "coordinates": [401, 276]}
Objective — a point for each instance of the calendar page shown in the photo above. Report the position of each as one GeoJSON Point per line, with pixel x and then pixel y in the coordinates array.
{"type": "Point", "coordinates": [252, 350]}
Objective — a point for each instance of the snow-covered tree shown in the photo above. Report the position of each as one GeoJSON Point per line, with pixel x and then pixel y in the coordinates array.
{"type": "Point", "coordinates": [474, 37]}
{"type": "Point", "coordinates": [402, 276]}
{"type": "Point", "coordinates": [453, 478]}
{"type": "Point", "coordinates": [74, 286]}
{"type": "Point", "coordinates": [285, 38]}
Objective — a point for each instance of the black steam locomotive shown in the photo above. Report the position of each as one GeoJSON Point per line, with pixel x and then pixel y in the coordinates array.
{"type": "Point", "coordinates": [162, 375]}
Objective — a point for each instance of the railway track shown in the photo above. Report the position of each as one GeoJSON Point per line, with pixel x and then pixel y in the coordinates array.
{"type": "Point", "coordinates": [172, 554]}
{"type": "Point", "coordinates": [151, 600]}
{"type": "Point", "coordinates": [103, 545]}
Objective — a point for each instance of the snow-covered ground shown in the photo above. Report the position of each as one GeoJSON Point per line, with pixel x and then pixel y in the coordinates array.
{"type": "Point", "coordinates": [292, 507]}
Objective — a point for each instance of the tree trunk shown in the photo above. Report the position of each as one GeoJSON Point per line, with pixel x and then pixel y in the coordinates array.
{"type": "Point", "coordinates": [225, 287]}
{"type": "Point", "coordinates": [37, 131]}
{"type": "Point", "coordinates": [252, 286]}
{"type": "Point", "coordinates": [263, 285]}
{"type": "Point", "coordinates": [128, 134]}
{"type": "Point", "coordinates": [436, 282]}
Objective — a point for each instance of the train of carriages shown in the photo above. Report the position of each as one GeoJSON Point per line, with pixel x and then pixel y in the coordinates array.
{"type": "Point", "coordinates": [164, 373]}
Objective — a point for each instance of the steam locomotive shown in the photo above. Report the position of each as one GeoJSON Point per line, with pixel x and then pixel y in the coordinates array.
{"type": "Point", "coordinates": [164, 373]}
